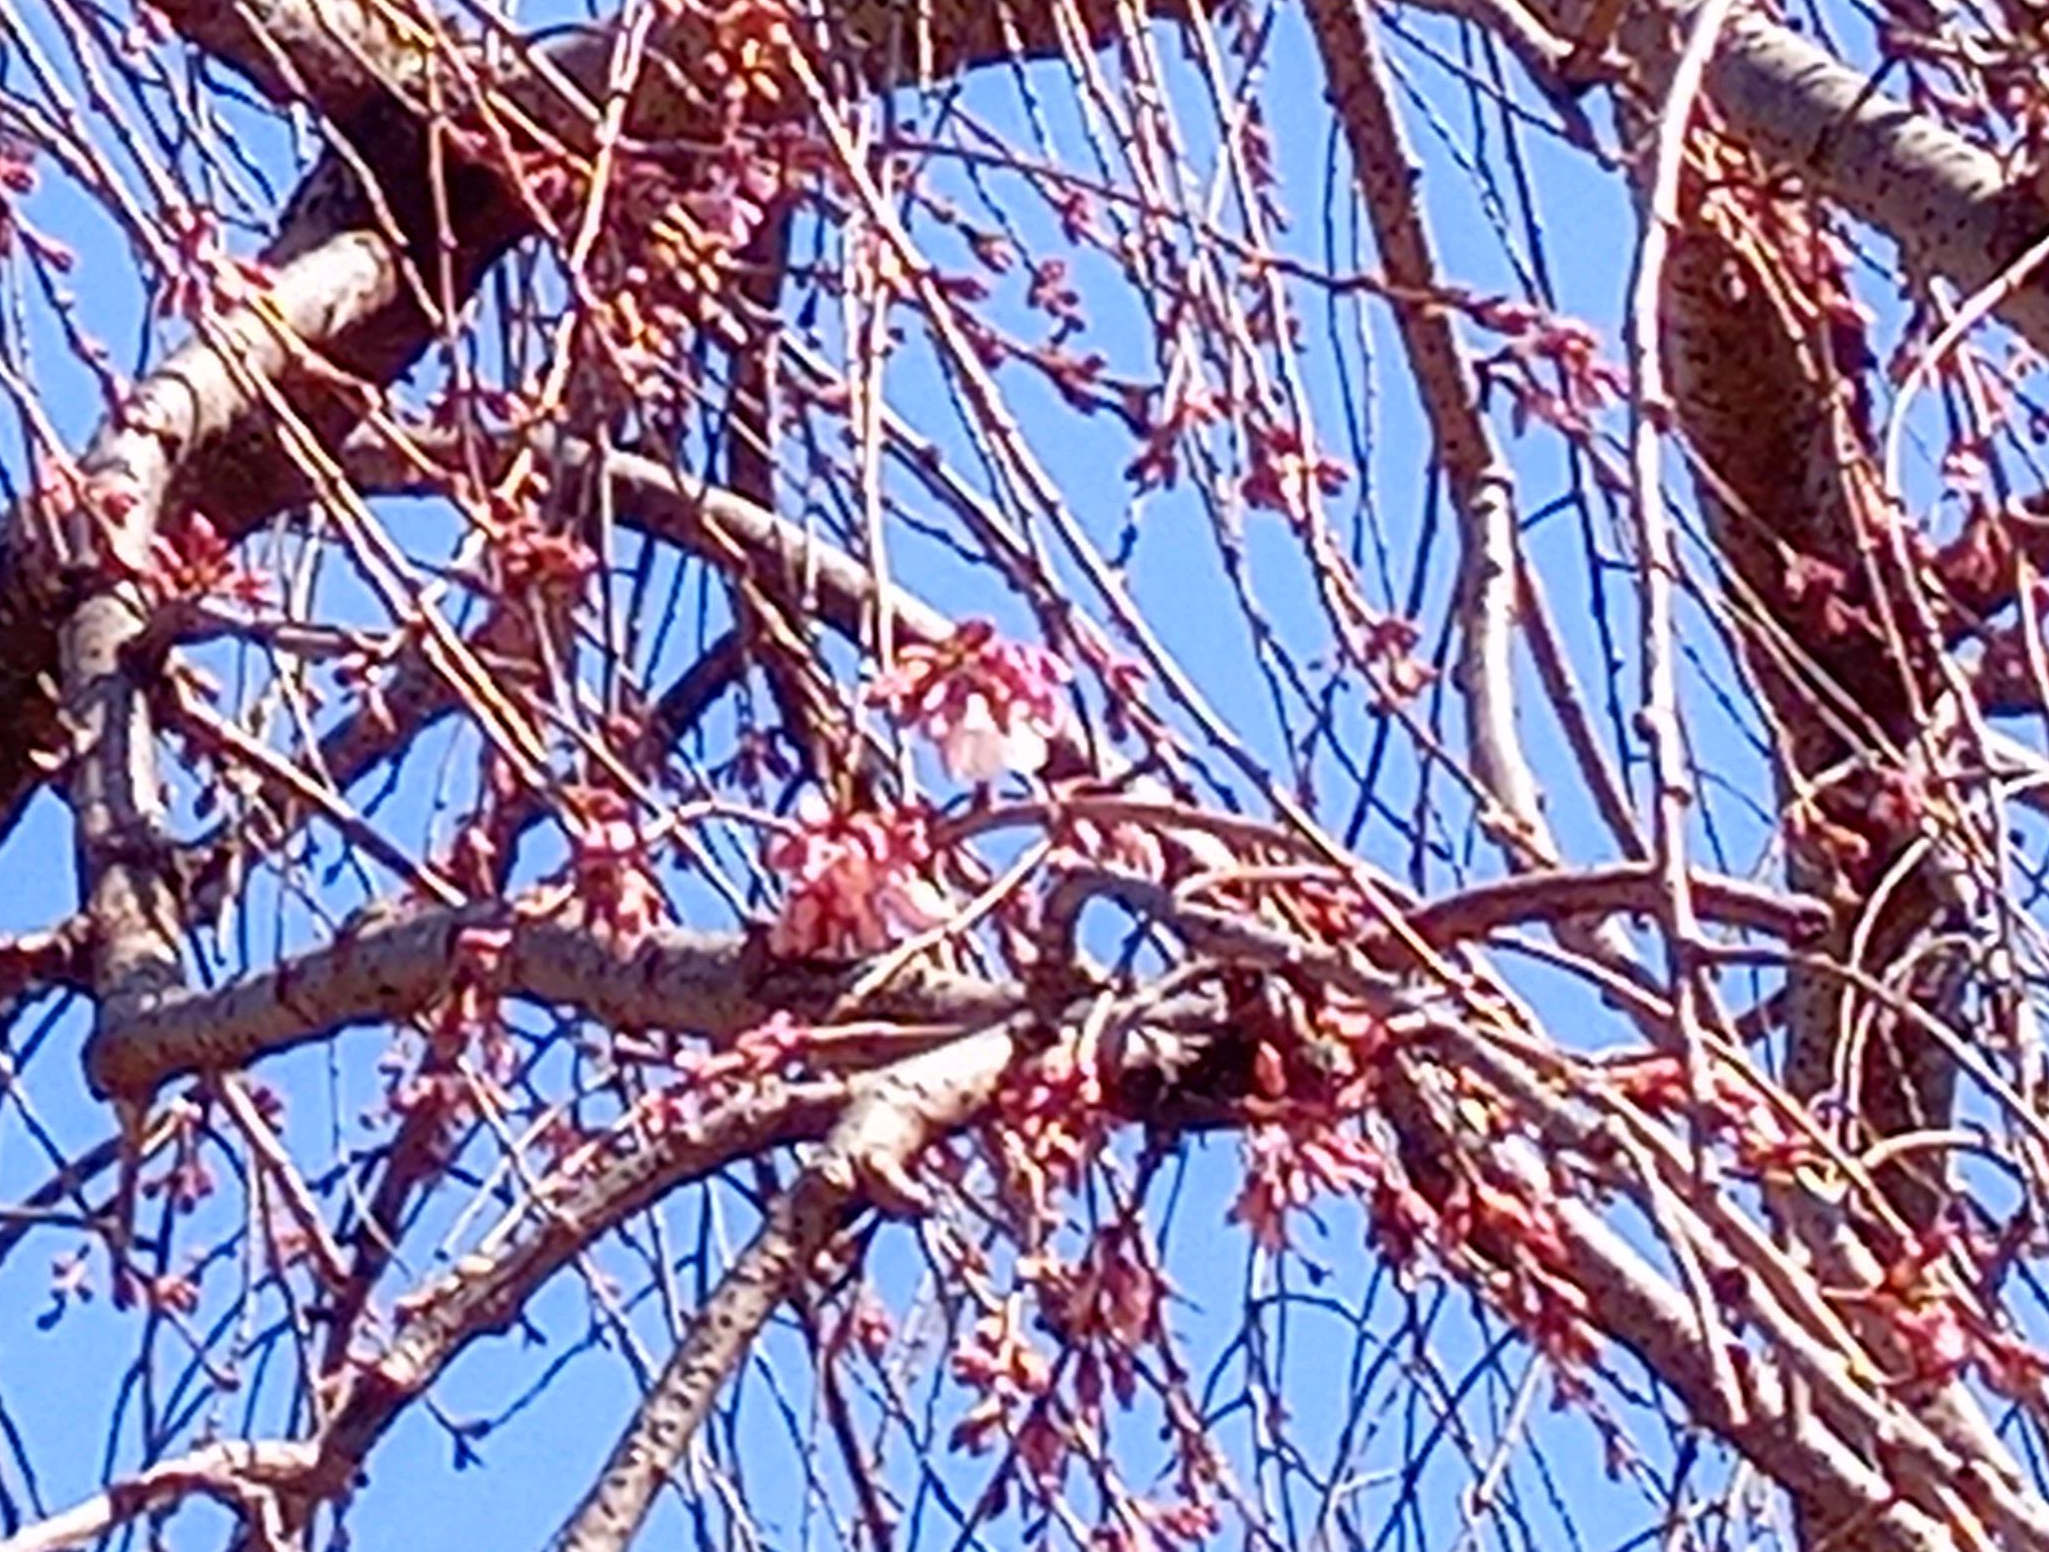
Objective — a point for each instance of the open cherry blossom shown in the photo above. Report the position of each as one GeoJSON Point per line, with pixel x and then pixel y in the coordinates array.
{"type": "Point", "coordinates": [990, 705]}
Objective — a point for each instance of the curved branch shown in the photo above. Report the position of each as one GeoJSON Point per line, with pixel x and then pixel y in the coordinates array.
{"type": "Point", "coordinates": [437, 1323]}
{"type": "Point", "coordinates": [713, 984]}
{"type": "Point", "coordinates": [208, 385]}
{"type": "Point", "coordinates": [866, 1157]}
{"type": "Point", "coordinates": [237, 1472]}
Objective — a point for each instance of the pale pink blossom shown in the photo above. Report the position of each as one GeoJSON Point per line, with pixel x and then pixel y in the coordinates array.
{"type": "Point", "coordinates": [989, 705]}
{"type": "Point", "coordinates": [975, 747]}
{"type": "Point", "coordinates": [855, 883]}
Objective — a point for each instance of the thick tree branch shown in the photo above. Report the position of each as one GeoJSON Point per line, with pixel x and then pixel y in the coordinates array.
{"type": "Point", "coordinates": [214, 382]}
{"type": "Point", "coordinates": [248, 1477]}
{"type": "Point", "coordinates": [712, 984]}
{"type": "Point", "coordinates": [720, 984]}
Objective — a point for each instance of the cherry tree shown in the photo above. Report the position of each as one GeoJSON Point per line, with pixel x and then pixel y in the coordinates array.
{"type": "Point", "coordinates": [1090, 774]}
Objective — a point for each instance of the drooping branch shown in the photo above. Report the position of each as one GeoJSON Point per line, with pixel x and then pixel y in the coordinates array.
{"type": "Point", "coordinates": [890, 1118]}
{"type": "Point", "coordinates": [1479, 479]}
{"type": "Point", "coordinates": [1820, 1445]}
{"type": "Point", "coordinates": [1481, 483]}
{"type": "Point", "coordinates": [440, 1321]}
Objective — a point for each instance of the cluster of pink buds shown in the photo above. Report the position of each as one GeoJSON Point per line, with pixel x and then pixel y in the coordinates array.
{"type": "Point", "coordinates": [611, 865]}
{"type": "Point", "coordinates": [1145, 1526]}
{"type": "Point", "coordinates": [1107, 1309]}
{"type": "Point", "coordinates": [206, 276]}
{"type": "Point", "coordinates": [472, 1015]}
{"type": "Point", "coordinates": [1282, 470]}
{"type": "Point", "coordinates": [1190, 404]}
{"type": "Point", "coordinates": [855, 883]}
{"type": "Point", "coordinates": [173, 1292]}
{"type": "Point", "coordinates": [677, 237]}
{"type": "Point", "coordinates": [1050, 1122]}
{"type": "Point", "coordinates": [189, 558]}
{"type": "Point", "coordinates": [867, 1325]}
{"type": "Point", "coordinates": [1289, 1166]}
{"type": "Point", "coordinates": [187, 1181]}
{"type": "Point", "coordinates": [989, 705]}
{"type": "Point", "coordinates": [1727, 1111]}
{"type": "Point", "coordinates": [1938, 1329]}
{"type": "Point", "coordinates": [1536, 338]}
{"type": "Point", "coordinates": [17, 178]}
{"type": "Point", "coordinates": [530, 559]}
{"type": "Point", "coordinates": [999, 1361]}
{"type": "Point", "coordinates": [749, 56]}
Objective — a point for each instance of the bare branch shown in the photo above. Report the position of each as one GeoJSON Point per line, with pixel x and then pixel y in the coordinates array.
{"type": "Point", "coordinates": [246, 1476]}
{"type": "Point", "coordinates": [866, 1157]}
